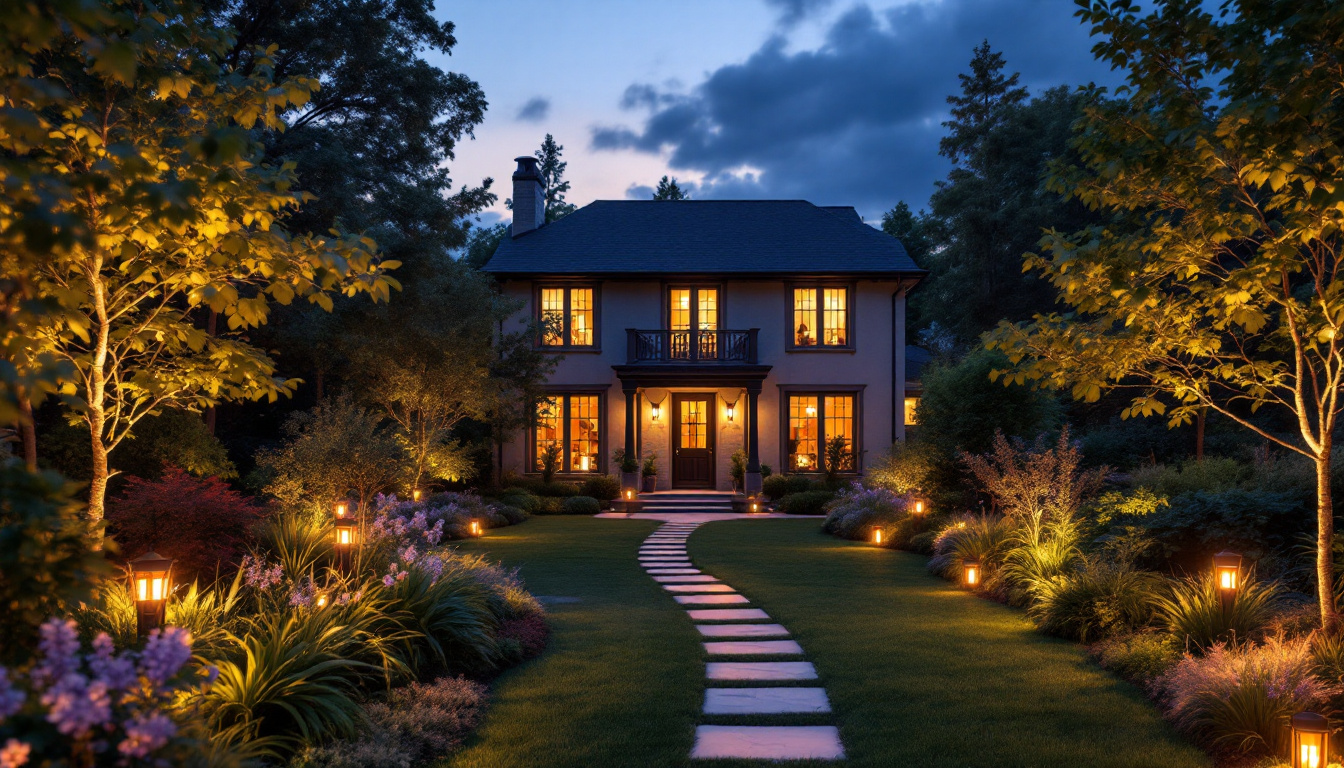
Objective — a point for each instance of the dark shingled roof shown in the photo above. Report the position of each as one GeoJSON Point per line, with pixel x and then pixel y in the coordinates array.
{"type": "Point", "coordinates": [744, 237]}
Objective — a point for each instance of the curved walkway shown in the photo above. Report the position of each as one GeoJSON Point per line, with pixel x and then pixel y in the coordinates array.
{"type": "Point", "coordinates": [747, 650]}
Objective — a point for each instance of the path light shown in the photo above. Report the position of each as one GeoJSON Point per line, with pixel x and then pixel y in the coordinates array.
{"type": "Point", "coordinates": [1311, 740]}
{"type": "Point", "coordinates": [877, 535]}
{"type": "Point", "coordinates": [415, 495]}
{"type": "Point", "coordinates": [475, 527]}
{"type": "Point", "coordinates": [970, 573]}
{"type": "Point", "coordinates": [346, 530]}
{"type": "Point", "coordinates": [629, 494]}
{"type": "Point", "coordinates": [322, 600]}
{"type": "Point", "coordinates": [918, 509]}
{"type": "Point", "coordinates": [341, 510]}
{"type": "Point", "coordinates": [1227, 576]}
{"type": "Point", "coordinates": [151, 581]}
{"type": "Point", "coordinates": [755, 505]}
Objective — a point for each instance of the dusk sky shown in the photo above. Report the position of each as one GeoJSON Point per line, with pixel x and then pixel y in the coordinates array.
{"type": "Point", "coordinates": [831, 101]}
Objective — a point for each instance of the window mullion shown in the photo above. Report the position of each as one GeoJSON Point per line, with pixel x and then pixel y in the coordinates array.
{"type": "Point", "coordinates": [564, 433]}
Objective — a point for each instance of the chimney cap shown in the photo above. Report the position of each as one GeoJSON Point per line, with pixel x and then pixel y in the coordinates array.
{"type": "Point", "coordinates": [527, 168]}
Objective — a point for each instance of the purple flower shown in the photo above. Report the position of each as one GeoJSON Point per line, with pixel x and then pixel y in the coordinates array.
{"type": "Point", "coordinates": [14, 754]}
{"type": "Point", "coordinates": [117, 672]}
{"type": "Point", "coordinates": [146, 733]}
{"type": "Point", "coordinates": [11, 698]}
{"type": "Point", "coordinates": [303, 595]}
{"type": "Point", "coordinates": [77, 706]}
{"type": "Point", "coordinates": [59, 647]}
{"type": "Point", "coordinates": [257, 574]}
{"type": "Point", "coordinates": [165, 653]}
{"type": "Point", "coordinates": [409, 554]}
{"type": "Point", "coordinates": [389, 580]}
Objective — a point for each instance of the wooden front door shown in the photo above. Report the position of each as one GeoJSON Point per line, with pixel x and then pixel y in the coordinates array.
{"type": "Point", "coordinates": [693, 446]}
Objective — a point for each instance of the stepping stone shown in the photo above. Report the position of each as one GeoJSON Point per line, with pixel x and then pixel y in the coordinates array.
{"type": "Point", "coordinates": [740, 630]}
{"type": "Point", "coordinates": [672, 571]}
{"type": "Point", "coordinates": [768, 742]}
{"type": "Point", "coordinates": [765, 701]}
{"type": "Point", "coordinates": [698, 588]}
{"type": "Point", "coordinates": [663, 551]}
{"type": "Point", "coordinates": [727, 614]}
{"type": "Point", "coordinates": [760, 670]}
{"type": "Point", "coordinates": [711, 599]}
{"type": "Point", "coordinates": [754, 648]}
{"type": "Point", "coordinates": [666, 562]}
{"type": "Point", "coordinates": [663, 556]}
{"type": "Point", "coordinates": [702, 579]}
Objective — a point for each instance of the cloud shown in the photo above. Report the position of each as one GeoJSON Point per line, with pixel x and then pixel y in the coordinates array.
{"type": "Point", "coordinates": [535, 110]}
{"type": "Point", "coordinates": [639, 192]}
{"type": "Point", "coordinates": [857, 120]}
{"type": "Point", "coordinates": [793, 11]}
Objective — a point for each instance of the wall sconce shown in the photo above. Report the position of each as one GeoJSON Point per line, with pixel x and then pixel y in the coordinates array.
{"type": "Point", "coordinates": [151, 580]}
{"type": "Point", "coordinates": [1311, 740]}
{"type": "Point", "coordinates": [730, 411]}
{"type": "Point", "coordinates": [970, 573]}
{"type": "Point", "coordinates": [877, 535]}
{"type": "Point", "coordinates": [655, 410]}
{"type": "Point", "coordinates": [475, 527]}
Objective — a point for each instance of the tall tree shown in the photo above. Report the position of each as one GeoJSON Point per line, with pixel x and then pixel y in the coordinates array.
{"type": "Point", "coordinates": [553, 179]}
{"type": "Point", "coordinates": [993, 206]}
{"type": "Point", "coordinates": [668, 189]}
{"type": "Point", "coordinates": [183, 217]}
{"type": "Point", "coordinates": [1213, 280]}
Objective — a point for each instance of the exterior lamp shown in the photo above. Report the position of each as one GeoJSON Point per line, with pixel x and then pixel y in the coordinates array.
{"type": "Point", "coordinates": [1227, 576]}
{"type": "Point", "coordinates": [475, 527]}
{"type": "Point", "coordinates": [755, 505]}
{"type": "Point", "coordinates": [322, 600]}
{"type": "Point", "coordinates": [730, 410]}
{"type": "Point", "coordinates": [151, 581]}
{"type": "Point", "coordinates": [970, 573]}
{"type": "Point", "coordinates": [342, 509]}
{"type": "Point", "coordinates": [347, 535]}
{"type": "Point", "coordinates": [415, 495]}
{"type": "Point", "coordinates": [877, 535]}
{"type": "Point", "coordinates": [629, 494]}
{"type": "Point", "coordinates": [655, 410]}
{"type": "Point", "coordinates": [1311, 740]}
{"type": "Point", "coordinates": [918, 509]}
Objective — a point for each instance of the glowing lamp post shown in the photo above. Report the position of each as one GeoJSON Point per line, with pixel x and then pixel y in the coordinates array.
{"type": "Point", "coordinates": [970, 573]}
{"type": "Point", "coordinates": [1227, 576]}
{"type": "Point", "coordinates": [415, 494]}
{"type": "Point", "coordinates": [347, 535]}
{"type": "Point", "coordinates": [475, 527]}
{"type": "Point", "coordinates": [917, 509]}
{"type": "Point", "coordinates": [754, 506]}
{"type": "Point", "coordinates": [322, 600]}
{"type": "Point", "coordinates": [877, 535]}
{"type": "Point", "coordinates": [1311, 740]}
{"type": "Point", "coordinates": [151, 581]}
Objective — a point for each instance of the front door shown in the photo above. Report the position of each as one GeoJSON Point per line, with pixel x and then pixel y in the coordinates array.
{"type": "Point", "coordinates": [693, 447]}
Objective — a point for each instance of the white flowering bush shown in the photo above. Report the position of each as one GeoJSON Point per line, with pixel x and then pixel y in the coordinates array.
{"type": "Point", "coordinates": [100, 707]}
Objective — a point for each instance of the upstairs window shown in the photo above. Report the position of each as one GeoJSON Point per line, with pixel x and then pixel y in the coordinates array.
{"type": "Point", "coordinates": [820, 318]}
{"type": "Point", "coordinates": [568, 316]}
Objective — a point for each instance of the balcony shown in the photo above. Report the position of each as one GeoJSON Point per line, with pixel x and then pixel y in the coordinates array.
{"type": "Point", "coordinates": [691, 347]}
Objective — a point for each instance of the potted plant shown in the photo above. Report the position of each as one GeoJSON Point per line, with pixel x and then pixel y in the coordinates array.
{"type": "Point", "coordinates": [550, 462]}
{"type": "Point", "coordinates": [650, 472]}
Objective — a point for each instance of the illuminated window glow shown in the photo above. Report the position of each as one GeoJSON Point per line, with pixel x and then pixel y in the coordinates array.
{"type": "Point", "coordinates": [820, 317]}
{"type": "Point", "coordinates": [815, 419]}
{"type": "Point", "coordinates": [911, 411]}
{"type": "Point", "coordinates": [574, 424]}
{"type": "Point", "coordinates": [568, 317]}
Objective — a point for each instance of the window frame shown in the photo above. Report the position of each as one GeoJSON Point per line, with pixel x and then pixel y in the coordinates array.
{"type": "Point", "coordinates": [693, 286]}
{"type": "Point", "coordinates": [568, 322]}
{"type": "Point", "coordinates": [564, 394]}
{"type": "Point", "coordinates": [791, 331]}
{"type": "Point", "coordinates": [821, 392]}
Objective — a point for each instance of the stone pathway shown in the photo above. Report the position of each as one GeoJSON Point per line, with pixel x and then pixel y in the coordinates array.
{"type": "Point", "coordinates": [730, 630]}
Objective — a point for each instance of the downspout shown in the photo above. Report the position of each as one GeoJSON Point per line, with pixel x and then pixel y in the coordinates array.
{"type": "Point", "coordinates": [894, 294]}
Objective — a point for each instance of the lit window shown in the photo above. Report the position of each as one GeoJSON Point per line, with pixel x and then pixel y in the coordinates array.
{"type": "Point", "coordinates": [693, 318]}
{"type": "Point", "coordinates": [816, 421]}
{"type": "Point", "coordinates": [911, 406]}
{"type": "Point", "coordinates": [568, 317]}
{"type": "Point", "coordinates": [573, 423]}
{"type": "Point", "coordinates": [820, 317]}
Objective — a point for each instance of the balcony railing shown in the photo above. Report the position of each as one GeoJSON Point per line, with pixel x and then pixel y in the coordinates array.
{"type": "Point", "coordinates": [690, 347]}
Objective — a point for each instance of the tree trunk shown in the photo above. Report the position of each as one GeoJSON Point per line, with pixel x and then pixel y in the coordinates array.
{"type": "Point", "coordinates": [1325, 539]}
{"type": "Point", "coordinates": [98, 469]}
{"type": "Point", "coordinates": [321, 381]}
{"type": "Point", "coordinates": [27, 432]}
{"type": "Point", "coordinates": [1199, 434]}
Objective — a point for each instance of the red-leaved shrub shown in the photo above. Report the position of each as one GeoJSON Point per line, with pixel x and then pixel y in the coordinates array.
{"type": "Point", "coordinates": [200, 522]}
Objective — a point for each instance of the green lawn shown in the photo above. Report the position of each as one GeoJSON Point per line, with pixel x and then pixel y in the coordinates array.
{"type": "Point", "coordinates": [919, 673]}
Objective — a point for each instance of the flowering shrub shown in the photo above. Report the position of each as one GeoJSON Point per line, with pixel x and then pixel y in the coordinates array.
{"type": "Point", "coordinates": [854, 511]}
{"type": "Point", "coordinates": [1239, 698]}
{"type": "Point", "coordinates": [98, 708]}
{"type": "Point", "coordinates": [967, 537]}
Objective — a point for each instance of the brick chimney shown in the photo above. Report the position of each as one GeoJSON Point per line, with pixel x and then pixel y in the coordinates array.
{"type": "Point", "coordinates": [529, 198]}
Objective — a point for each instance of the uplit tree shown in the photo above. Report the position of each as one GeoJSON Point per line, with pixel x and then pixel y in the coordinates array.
{"type": "Point", "coordinates": [177, 218]}
{"type": "Point", "coordinates": [1212, 280]}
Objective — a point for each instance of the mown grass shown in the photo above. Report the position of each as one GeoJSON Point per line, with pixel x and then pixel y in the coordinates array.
{"type": "Point", "coordinates": [918, 672]}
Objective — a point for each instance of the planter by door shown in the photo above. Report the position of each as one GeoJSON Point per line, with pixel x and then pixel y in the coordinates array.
{"type": "Point", "coordinates": [650, 483]}
{"type": "Point", "coordinates": [693, 441]}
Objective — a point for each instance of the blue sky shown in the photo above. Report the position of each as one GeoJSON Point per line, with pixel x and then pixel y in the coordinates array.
{"type": "Point", "coordinates": [836, 102]}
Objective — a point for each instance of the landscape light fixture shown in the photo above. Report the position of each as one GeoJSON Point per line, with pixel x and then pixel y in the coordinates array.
{"type": "Point", "coordinates": [1227, 576]}
{"type": "Point", "coordinates": [755, 505]}
{"type": "Point", "coordinates": [629, 494]}
{"type": "Point", "coordinates": [151, 581]}
{"type": "Point", "coordinates": [475, 527]}
{"type": "Point", "coordinates": [918, 508]}
{"type": "Point", "coordinates": [877, 535]}
{"type": "Point", "coordinates": [970, 573]}
{"type": "Point", "coordinates": [415, 495]}
{"type": "Point", "coordinates": [1311, 740]}
{"type": "Point", "coordinates": [321, 600]}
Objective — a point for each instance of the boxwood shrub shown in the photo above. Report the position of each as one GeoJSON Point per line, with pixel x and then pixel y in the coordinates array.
{"type": "Point", "coordinates": [805, 503]}
{"type": "Point", "coordinates": [581, 505]}
{"type": "Point", "coordinates": [602, 487]}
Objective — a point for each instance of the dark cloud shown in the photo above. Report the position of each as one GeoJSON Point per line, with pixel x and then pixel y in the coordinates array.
{"type": "Point", "coordinates": [856, 121]}
{"type": "Point", "coordinates": [639, 192]}
{"type": "Point", "coordinates": [535, 110]}
{"type": "Point", "coordinates": [793, 11]}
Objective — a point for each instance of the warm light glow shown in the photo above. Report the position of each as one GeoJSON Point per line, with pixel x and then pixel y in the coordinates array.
{"type": "Point", "coordinates": [811, 410]}
{"type": "Point", "coordinates": [344, 536]}
{"type": "Point", "coordinates": [655, 410]}
{"type": "Point", "coordinates": [972, 574]}
{"type": "Point", "coordinates": [919, 506]}
{"type": "Point", "coordinates": [475, 527]}
{"type": "Point", "coordinates": [804, 461]}
{"type": "Point", "coordinates": [415, 495]}
{"type": "Point", "coordinates": [877, 535]}
{"type": "Point", "coordinates": [629, 494]}
{"type": "Point", "coordinates": [150, 587]}
{"type": "Point", "coordinates": [322, 601]}
{"type": "Point", "coordinates": [1311, 740]}
{"type": "Point", "coordinates": [341, 508]}
{"type": "Point", "coordinates": [755, 507]}
{"type": "Point", "coordinates": [730, 410]}
{"type": "Point", "coordinates": [1227, 579]}
{"type": "Point", "coordinates": [1310, 756]}
{"type": "Point", "coordinates": [585, 463]}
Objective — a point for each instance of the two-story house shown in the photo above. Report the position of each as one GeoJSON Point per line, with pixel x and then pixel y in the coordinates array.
{"type": "Point", "coordinates": [694, 329]}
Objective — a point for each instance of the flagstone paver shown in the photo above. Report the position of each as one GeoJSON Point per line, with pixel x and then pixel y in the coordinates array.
{"type": "Point", "coordinates": [663, 555]}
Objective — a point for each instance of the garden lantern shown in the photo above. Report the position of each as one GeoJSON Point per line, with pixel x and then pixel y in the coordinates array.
{"type": "Point", "coordinates": [877, 535]}
{"type": "Point", "coordinates": [321, 600]}
{"type": "Point", "coordinates": [918, 508]}
{"type": "Point", "coordinates": [755, 506]}
{"type": "Point", "coordinates": [415, 495]}
{"type": "Point", "coordinates": [151, 580]}
{"type": "Point", "coordinates": [1227, 569]}
{"type": "Point", "coordinates": [629, 494]}
{"type": "Point", "coordinates": [342, 509]}
{"type": "Point", "coordinates": [475, 527]}
{"type": "Point", "coordinates": [970, 573]}
{"type": "Point", "coordinates": [1311, 740]}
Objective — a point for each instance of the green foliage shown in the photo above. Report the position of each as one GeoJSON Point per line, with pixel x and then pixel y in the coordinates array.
{"type": "Point", "coordinates": [855, 511]}
{"type": "Point", "coordinates": [1200, 523]}
{"type": "Point", "coordinates": [961, 408]}
{"type": "Point", "coordinates": [175, 437]}
{"type": "Point", "coordinates": [112, 610]}
{"type": "Point", "coordinates": [602, 487]}
{"type": "Point", "coordinates": [1038, 553]}
{"type": "Point", "coordinates": [550, 460]}
{"type": "Point", "coordinates": [1192, 611]}
{"type": "Point", "coordinates": [581, 505]}
{"type": "Point", "coordinates": [449, 618]}
{"type": "Point", "coordinates": [906, 467]}
{"type": "Point", "coordinates": [1214, 474]}
{"type": "Point", "coordinates": [300, 542]}
{"type": "Point", "coordinates": [46, 555]}
{"type": "Point", "coordinates": [839, 458]}
{"type": "Point", "coordinates": [520, 498]}
{"type": "Point", "coordinates": [969, 537]}
{"type": "Point", "coordinates": [1112, 506]}
{"type": "Point", "coordinates": [650, 468]}
{"type": "Point", "coordinates": [628, 463]}
{"type": "Point", "coordinates": [668, 189]}
{"type": "Point", "coordinates": [1096, 601]}
{"type": "Point", "coordinates": [777, 487]}
{"type": "Point", "coordinates": [1139, 658]}
{"type": "Point", "coordinates": [805, 503]}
